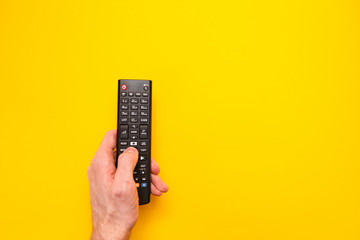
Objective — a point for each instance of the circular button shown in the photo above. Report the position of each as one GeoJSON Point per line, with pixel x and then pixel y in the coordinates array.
{"type": "Point", "coordinates": [123, 87]}
{"type": "Point", "coordinates": [146, 88]}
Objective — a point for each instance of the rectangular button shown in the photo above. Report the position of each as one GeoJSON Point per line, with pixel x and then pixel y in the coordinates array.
{"type": "Point", "coordinates": [144, 107]}
{"type": "Point", "coordinates": [143, 101]}
{"type": "Point", "coordinates": [124, 107]}
{"type": "Point", "coordinates": [143, 113]}
{"type": "Point", "coordinates": [138, 94]}
{"type": "Point", "coordinates": [142, 157]}
{"type": "Point", "coordinates": [124, 132]}
{"type": "Point", "coordinates": [124, 120]}
{"type": "Point", "coordinates": [133, 113]}
{"type": "Point", "coordinates": [134, 131]}
{"type": "Point", "coordinates": [143, 131]}
{"type": "Point", "coordinates": [124, 113]}
{"type": "Point", "coordinates": [133, 143]}
{"type": "Point", "coordinates": [124, 100]}
{"type": "Point", "coordinates": [134, 107]}
{"type": "Point", "coordinates": [145, 94]}
{"type": "Point", "coordinates": [142, 172]}
{"type": "Point", "coordinates": [142, 150]}
{"type": "Point", "coordinates": [133, 120]}
{"type": "Point", "coordinates": [134, 101]}
{"type": "Point", "coordinates": [123, 143]}
{"type": "Point", "coordinates": [143, 120]}
{"type": "Point", "coordinates": [143, 184]}
{"type": "Point", "coordinates": [143, 144]}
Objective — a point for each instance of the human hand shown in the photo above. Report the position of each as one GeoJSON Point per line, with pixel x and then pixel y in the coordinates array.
{"type": "Point", "coordinates": [113, 193]}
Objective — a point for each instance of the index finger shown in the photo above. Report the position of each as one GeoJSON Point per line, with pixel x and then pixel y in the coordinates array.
{"type": "Point", "coordinates": [107, 145]}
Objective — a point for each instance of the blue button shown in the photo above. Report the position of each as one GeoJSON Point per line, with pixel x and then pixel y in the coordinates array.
{"type": "Point", "coordinates": [143, 184]}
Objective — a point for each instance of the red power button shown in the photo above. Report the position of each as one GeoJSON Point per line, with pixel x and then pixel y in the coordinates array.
{"type": "Point", "coordinates": [123, 87]}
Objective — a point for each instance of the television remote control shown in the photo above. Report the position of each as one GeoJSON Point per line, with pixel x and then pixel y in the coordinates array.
{"type": "Point", "coordinates": [134, 130]}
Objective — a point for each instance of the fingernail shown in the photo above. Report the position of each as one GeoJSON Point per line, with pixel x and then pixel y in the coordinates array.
{"type": "Point", "coordinates": [131, 150]}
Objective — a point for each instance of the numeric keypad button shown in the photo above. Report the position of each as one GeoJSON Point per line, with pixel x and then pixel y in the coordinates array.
{"type": "Point", "coordinates": [124, 113]}
{"type": "Point", "coordinates": [124, 107]}
{"type": "Point", "coordinates": [124, 100]}
{"type": "Point", "coordinates": [134, 101]}
{"type": "Point", "coordinates": [134, 107]}
{"type": "Point", "coordinates": [133, 120]}
{"type": "Point", "coordinates": [143, 107]}
{"type": "Point", "coordinates": [133, 113]}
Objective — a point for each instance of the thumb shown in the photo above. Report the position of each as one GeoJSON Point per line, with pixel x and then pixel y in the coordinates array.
{"type": "Point", "coordinates": [126, 164]}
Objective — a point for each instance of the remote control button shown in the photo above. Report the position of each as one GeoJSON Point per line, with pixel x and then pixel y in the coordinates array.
{"type": "Point", "coordinates": [138, 94]}
{"type": "Point", "coordinates": [144, 144]}
{"type": "Point", "coordinates": [123, 94]}
{"type": "Point", "coordinates": [123, 87]}
{"type": "Point", "coordinates": [133, 143]}
{"type": "Point", "coordinates": [131, 94]}
{"type": "Point", "coordinates": [143, 165]}
{"type": "Point", "coordinates": [133, 113]}
{"type": "Point", "coordinates": [124, 113]}
{"type": "Point", "coordinates": [133, 120]}
{"type": "Point", "coordinates": [134, 107]}
{"type": "Point", "coordinates": [133, 126]}
{"type": "Point", "coordinates": [143, 113]}
{"type": "Point", "coordinates": [143, 131]}
{"type": "Point", "coordinates": [143, 101]}
{"type": "Point", "coordinates": [135, 172]}
{"type": "Point", "coordinates": [142, 172]}
{"type": "Point", "coordinates": [143, 120]}
{"type": "Point", "coordinates": [145, 94]}
{"type": "Point", "coordinates": [142, 107]}
{"type": "Point", "coordinates": [143, 150]}
{"type": "Point", "coordinates": [123, 143]}
{"type": "Point", "coordinates": [134, 132]}
{"type": "Point", "coordinates": [137, 185]}
{"type": "Point", "coordinates": [142, 157]}
{"type": "Point", "coordinates": [136, 179]}
{"type": "Point", "coordinates": [133, 137]}
{"type": "Point", "coordinates": [124, 131]}
{"type": "Point", "coordinates": [124, 100]}
{"type": "Point", "coordinates": [124, 120]}
{"type": "Point", "coordinates": [124, 107]}
{"type": "Point", "coordinates": [143, 179]}
{"type": "Point", "coordinates": [146, 88]}
{"type": "Point", "coordinates": [143, 184]}
{"type": "Point", "coordinates": [121, 150]}
{"type": "Point", "coordinates": [134, 101]}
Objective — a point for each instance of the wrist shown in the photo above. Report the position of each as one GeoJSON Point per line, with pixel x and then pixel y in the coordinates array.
{"type": "Point", "coordinates": [110, 232]}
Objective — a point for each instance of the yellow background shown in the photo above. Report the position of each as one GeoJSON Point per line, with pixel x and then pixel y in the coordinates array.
{"type": "Point", "coordinates": [255, 114]}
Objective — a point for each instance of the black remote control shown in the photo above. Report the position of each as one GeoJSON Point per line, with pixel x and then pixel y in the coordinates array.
{"type": "Point", "coordinates": [134, 130]}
